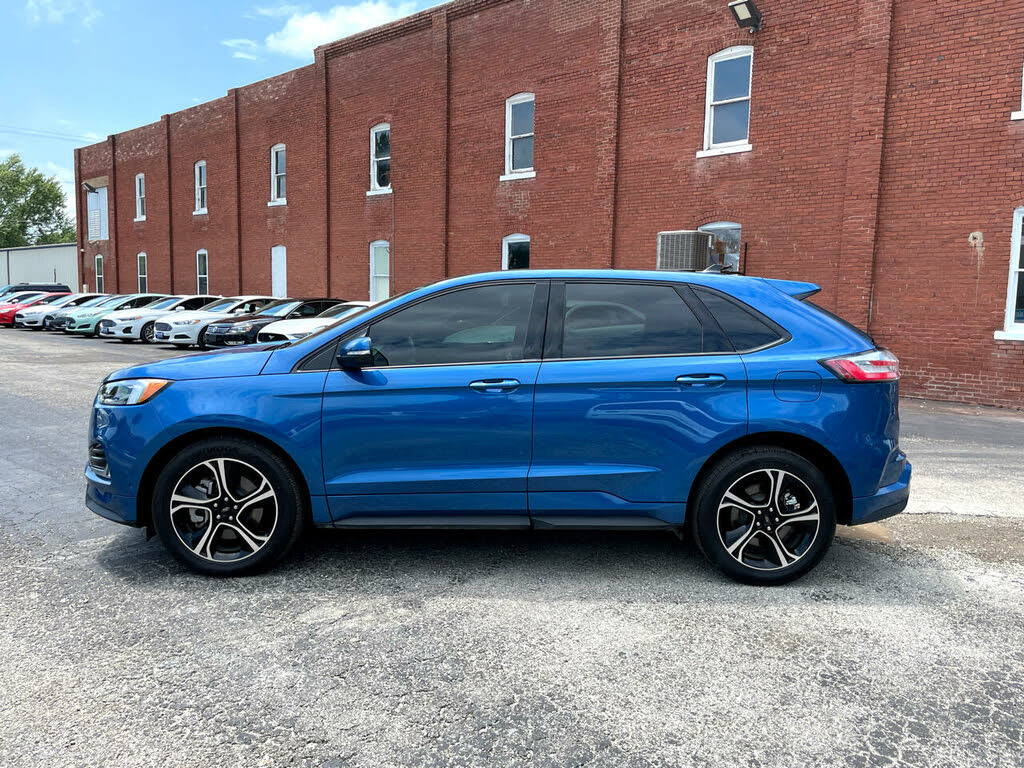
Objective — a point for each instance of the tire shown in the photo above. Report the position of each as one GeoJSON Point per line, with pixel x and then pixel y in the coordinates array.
{"type": "Point", "coordinates": [742, 514]}
{"type": "Point", "coordinates": [251, 531]}
{"type": "Point", "coordinates": [201, 339]}
{"type": "Point", "coordinates": [146, 334]}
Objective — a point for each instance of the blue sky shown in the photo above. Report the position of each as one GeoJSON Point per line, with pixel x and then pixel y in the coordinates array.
{"type": "Point", "coordinates": [83, 69]}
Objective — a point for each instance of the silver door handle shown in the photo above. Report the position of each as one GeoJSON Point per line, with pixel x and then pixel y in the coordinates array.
{"type": "Point", "coordinates": [494, 385]}
{"type": "Point", "coordinates": [701, 380]}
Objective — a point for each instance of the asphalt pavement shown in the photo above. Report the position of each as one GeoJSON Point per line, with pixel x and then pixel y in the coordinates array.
{"type": "Point", "coordinates": [905, 647]}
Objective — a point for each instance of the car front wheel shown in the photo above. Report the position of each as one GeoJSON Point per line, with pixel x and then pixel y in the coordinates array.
{"type": "Point", "coordinates": [147, 333]}
{"type": "Point", "coordinates": [228, 507]}
{"type": "Point", "coordinates": [764, 516]}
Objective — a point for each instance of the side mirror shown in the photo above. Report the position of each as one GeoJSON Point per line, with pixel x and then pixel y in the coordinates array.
{"type": "Point", "coordinates": [179, 309]}
{"type": "Point", "coordinates": [356, 353]}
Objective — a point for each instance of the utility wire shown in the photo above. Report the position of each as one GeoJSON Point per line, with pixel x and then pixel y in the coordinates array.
{"type": "Point", "coordinates": [44, 134]}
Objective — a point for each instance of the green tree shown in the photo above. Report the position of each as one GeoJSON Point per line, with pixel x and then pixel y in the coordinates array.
{"type": "Point", "coordinates": [31, 207]}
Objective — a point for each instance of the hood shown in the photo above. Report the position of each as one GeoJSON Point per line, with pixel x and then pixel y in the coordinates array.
{"type": "Point", "coordinates": [300, 325]}
{"type": "Point", "coordinates": [240, 361]}
{"type": "Point", "coordinates": [232, 319]}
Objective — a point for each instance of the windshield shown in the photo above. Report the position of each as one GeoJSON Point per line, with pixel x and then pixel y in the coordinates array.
{"type": "Point", "coordinates": [94, 301]}
{"type": "Point", "coordinates": [220, 306]}
{"type": "Point", "coordinates": [18, 298]}
{"type": "Point", "coordinates": [110, 300]}
{"type": "Point", "coordinates": [279, 310]}
{"type": "Point", "coordinates": [341, 310]}
{"type": "Point", "coordinates": [51, 299]}
{"type": "Point", "coordinates": [170, 301]}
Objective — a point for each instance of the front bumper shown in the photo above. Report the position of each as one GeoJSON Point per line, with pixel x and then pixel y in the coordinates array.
{"type": "Point", "coordinates": [113, 330]}
{"type": "Point", "coordinates": [177, 334]}
{"type": "Point", "coordinates": [99, 499]}
{"type": "Point", "coordinates": [81, 326]}
{"type": "Point", "coordinates": [219, 339]}
{"type": "Point", "coordinates": [885, 502]}
{"type": "Point", "coordinates": [30, 321]}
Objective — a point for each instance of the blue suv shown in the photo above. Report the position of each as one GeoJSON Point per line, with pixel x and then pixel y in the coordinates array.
{"type": "Point", "coordinates": [727, 406]}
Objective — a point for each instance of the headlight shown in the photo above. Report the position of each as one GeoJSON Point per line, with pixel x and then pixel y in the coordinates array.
{"type": "Point", "coordinates": [130, 319]}
{"type": "Point", "coordinates": [129, 391]}
{"type": "Point", "coordinates": [301, 335]}
{"type": "Point", "coordinates": [241, 327]}
{"type": "Point", "coordinates": [185, 322]}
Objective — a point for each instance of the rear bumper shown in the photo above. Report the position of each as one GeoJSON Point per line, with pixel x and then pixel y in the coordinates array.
{"type": "Point", "coordinates": [885, 502]}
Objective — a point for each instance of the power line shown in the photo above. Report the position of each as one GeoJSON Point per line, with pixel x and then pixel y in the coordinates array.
{"type": "Point", "coordinates": [46, 134]}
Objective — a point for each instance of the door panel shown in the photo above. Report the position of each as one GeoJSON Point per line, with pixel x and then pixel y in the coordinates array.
{"type": "Point", "coordinates": [613, 431]}
{"type": "Point", "coordinates": [398, 437]}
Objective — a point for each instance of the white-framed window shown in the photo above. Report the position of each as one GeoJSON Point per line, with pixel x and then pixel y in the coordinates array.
{"type": "Point", "coordinates": [99, 273]}
{"type": "Point", "coordinates": [380, 159]}
{"type": "Point", "coordinates": [142, 271]}
{"type": "Point", "coordinates": [200, 185]}
{"type": "Point", "coordinates": [727, 102]}
{"type": "Point", "coordinates": [202, 271]}
{"type": "Point", "coordinates": [519, 137]}
{"type": "Point", "coordinates": [140, 197]}
{"type": "Point", "coordinates": [725, 248]}
{"type": "Point", "coordinates": [1013, 327]}
{"type": "Point", "coordinates": [380, 270]}
{"type": "Point", "coordinates": [277, 175]}
{"type": "Point", "coordinates": [515, 252]}
{"type": "Point", "coordinates": [96, 211]}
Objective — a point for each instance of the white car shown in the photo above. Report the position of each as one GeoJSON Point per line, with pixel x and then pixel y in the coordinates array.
{"type": "Point", "coordinates": [140, 323]}
{"type": "Point", "coordinates": [183, 329]}
{"type": "Point", "coordinates": [290, 330]}
{"type": "Point", "coordinates": [32, 317]}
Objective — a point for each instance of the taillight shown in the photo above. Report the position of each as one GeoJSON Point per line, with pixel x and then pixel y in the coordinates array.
{"type": "Point", "coordinates": [873, 365]}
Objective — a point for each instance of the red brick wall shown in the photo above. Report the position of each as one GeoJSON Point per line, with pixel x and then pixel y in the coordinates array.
{"type": "Point", "coordinates": [951, 167]}
{"type": "Point", "coordinates": [880, 131]}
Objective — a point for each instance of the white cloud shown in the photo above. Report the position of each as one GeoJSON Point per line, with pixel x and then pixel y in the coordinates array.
{"type": "Point", "coordinates": [283, 9]}
{"type": "Point", "coordinates": [242, 48]}
{"type": "Point", "coordinates": [56, 11]}
{"type": "Point", "coordinates": [305, 31]}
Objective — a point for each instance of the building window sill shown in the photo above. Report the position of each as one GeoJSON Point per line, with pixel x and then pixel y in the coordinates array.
{"type": "Point", "coordinates": [716, 151]}
{"type": "Point", "coordinates": [200, 212]}
{"type": "Point", "coordinates": [374, 192]}
{"type": "Point", "coordinates": [139, 218]}
{"type": "Point", "coordinates": [280, 201]}
{"type": "Point", "coordinates": [1009, 335]}
{"type": "Point", "coordinates": [1017, 115]}
{"type": "Point", "coordinates": [518, 175]}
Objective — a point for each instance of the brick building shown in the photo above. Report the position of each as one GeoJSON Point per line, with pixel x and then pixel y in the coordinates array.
{"type": "Point", "coordinates": [872, 147]}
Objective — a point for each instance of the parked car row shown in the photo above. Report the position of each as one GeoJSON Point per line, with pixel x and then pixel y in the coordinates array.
{"type": "Point", "coordinates": [181, 320]}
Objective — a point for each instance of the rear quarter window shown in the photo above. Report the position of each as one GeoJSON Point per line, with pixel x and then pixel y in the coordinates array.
{"type": "Point", "coordinates": [745, 327]}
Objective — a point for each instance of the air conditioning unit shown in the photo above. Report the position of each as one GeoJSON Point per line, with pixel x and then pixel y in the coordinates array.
{"type": "Point", "coordinates": [684, 250]}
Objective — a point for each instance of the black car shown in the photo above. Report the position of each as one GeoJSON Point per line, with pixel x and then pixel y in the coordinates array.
{"type": "Point", "coordinates": [237, 330]}
{"type": "Point", "coordinates": [41, 287]}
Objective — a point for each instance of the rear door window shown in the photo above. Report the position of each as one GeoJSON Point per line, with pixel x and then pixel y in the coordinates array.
{"type": "Point", "coordinates": [627, 320]}
{"type": "Point", "coordinates": [746, 329]}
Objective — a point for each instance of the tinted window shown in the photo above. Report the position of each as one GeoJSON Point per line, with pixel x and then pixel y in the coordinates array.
{"type": "Point", "coordinates": [623, 320]}
{"type": "Point", "coordinates": [474, 325]}
{"type": "Point", "coordinates": [196, 303]}
{"type": "Point", "coordinates": [744, 329]}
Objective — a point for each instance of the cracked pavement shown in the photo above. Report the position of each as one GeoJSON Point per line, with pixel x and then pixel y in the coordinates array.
{"type": "Point", "coordinates": [904, 648]}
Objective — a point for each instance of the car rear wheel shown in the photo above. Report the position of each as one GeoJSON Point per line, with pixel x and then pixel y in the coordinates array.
{"type": "Point", "coordinates": [764, 516]}
{"type": "Point", "coordinates": [228, 507]}
{"type": "Point", "coordinates": [148, 333]}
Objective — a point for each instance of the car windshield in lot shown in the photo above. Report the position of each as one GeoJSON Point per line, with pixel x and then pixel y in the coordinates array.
{"type": "Point", "coordinates": [279, 309]}
{"type": "Point", "coordinates": [164, 303]}
{"type": "Point", "coordinates": [341, 310]}
{"type": "Point", "coordinates": [51, 299]}
{"type": "Point", "coordinates": [106, 300]}
{"type": "Point", "coordinates": [221, 305]}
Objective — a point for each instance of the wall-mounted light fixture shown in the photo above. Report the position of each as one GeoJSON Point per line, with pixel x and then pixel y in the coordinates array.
{"type": "Point", "coordinates": [747, 14]}
{"type": "Point", "coordinates": [88, 187]}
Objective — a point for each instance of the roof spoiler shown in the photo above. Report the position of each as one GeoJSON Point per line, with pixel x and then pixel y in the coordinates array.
{"type": "Point", "coordinates": [797, 290]}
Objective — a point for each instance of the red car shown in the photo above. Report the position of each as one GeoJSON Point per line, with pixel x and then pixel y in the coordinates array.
{"type": "Point", "coordinates": [8, 311]}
